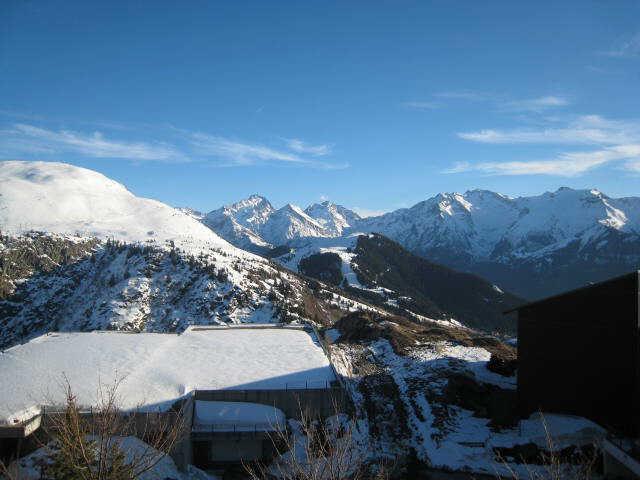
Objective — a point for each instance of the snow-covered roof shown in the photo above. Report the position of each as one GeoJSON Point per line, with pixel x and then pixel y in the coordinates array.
{"type": "Point", "coordinates": [236, 416]}
{"type": "Point", "coordinates": [156, 368]}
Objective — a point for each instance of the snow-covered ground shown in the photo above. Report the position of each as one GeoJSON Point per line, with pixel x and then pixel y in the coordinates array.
{"type": "Point", "coordinates": [32, 466]}
{"type": "Point", "coordinates": [445, 435]}
{"type": "Point", "coordinates": [158, 368]}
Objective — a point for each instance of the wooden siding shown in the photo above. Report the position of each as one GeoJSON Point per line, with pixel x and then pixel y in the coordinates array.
{"type": "Point", "coordinates": [578, 354]}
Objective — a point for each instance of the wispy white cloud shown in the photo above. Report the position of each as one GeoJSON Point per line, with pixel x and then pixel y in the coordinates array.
{"type": "Point", "coordinates": [567, 164]}
{"type": "Point", "coordinates": [422, 105]}
{"type": "Point", "coordinates": [298, 146]}
{"type": "Point", "coordinates": [22, 139]}
{"type": "Point", "coordinates": [627, 49]}
{"type": "Point", "coordinates": [585, 130]}
{"type": "Point", "coordinates": [571, 136]}
{"type": "Point", "coordinates": [538, 104]}
{"type": "Point", "coordinates": [468, 95]}
{"type": "Point", "coordinates": [235, 153]}
{"type": "Point", "coordinates": [616, 141]}
{"type": "Point", "coordinates": [633, 166]}
{"type": "Point", "coordinates": [29, 138]}
{"type": "Point", "coordinates": [499, 101]}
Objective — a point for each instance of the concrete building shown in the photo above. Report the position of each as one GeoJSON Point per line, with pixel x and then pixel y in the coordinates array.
{"type": "Point", "coordinates": [234, 385]}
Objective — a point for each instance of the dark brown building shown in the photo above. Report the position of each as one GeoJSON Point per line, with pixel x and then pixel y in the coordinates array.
{"type": "Point", "coordinates": [578, 354]}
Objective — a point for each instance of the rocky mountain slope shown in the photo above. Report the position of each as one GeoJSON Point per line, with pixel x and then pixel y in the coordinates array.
{"type": "Point", "coordinates": [432, 396]}
{"type": "Point", "coordinates": [430, 289]}
{"type": "Point", "coordinates": [532, 246]}
{"type": "Point", "coordinates": [381, 270]}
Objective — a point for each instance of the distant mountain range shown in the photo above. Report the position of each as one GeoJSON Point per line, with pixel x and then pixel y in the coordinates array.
{"type": "Point", "coordinates": [105, 258]}
{"type": "Point", "coordinates": [532, 246]}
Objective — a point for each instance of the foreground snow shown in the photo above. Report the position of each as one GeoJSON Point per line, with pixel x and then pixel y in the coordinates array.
{"type": "Point", "coordinates": [157, 368]}
{"type": "Point", "coordinates": [30, 467]}
{"type": "Point", "coordinates": [443, 435]}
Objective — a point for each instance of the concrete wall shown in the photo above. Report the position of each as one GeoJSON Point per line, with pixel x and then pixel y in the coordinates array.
{"type": "Point", "coordinates": [219, 448]}
{"type": "Point", "coordinates": [316, 402]}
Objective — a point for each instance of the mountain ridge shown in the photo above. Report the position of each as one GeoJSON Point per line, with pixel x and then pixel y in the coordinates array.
{"type": "Point", "coordinates": [492, 235]}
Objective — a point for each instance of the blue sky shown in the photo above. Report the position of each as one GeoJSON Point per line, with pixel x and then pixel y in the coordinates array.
{"type": "Point", "coordinates": [374, 105]}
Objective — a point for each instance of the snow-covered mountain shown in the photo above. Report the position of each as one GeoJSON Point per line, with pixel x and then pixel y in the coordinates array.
{"type": "Point", "coordinates": [78, 251]}
{"type": "Point", "coordinates": [253, 223]}
{"type": "Point", "coordinates": [533, 246]}
{"type": "Point", "coordinates": [240, 222]}
{"type": "Point", "coordinates": [485, 225]}
{"type": "Point", "coordinates": [290, 223]}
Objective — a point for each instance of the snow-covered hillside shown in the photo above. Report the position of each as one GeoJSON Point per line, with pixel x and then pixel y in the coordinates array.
{"type": "Point", "coordinates": [530, 245]}
{"type": "Point", "coordinates": [433, 392]}
{"type": "Point", "coordinates": [65, 199]}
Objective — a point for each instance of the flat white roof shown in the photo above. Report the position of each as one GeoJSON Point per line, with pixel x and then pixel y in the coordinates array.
{"type": "Point", "coordinates": [156, 368]}
{"type": "Point", "coordinates": [236, 416]}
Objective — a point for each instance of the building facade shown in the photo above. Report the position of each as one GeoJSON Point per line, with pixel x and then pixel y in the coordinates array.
{"type": "Point", "coordinates": [578, 354]}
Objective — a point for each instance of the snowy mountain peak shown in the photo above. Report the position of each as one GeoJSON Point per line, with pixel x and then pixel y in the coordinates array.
{"type": "Point", "coordinates": [290, 223]}
{"type": "Point", "coordinates": [477, 228]}
{"type": "Point", "coordinates": [250, 211]}
{"type": "Point", "coordinates": [255, 225]}
{"type": "Point", "coordinates": [334, 218]}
